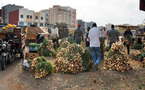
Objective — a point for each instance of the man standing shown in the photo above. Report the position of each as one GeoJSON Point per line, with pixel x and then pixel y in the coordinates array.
{"type": "Point", "coordinates": [55, 35]}
{"type": "Point", "coordinates": [94, 38]}
{"type": "Point", "coordinates": [104, 34]}
{"type": "Point", "coordinates": [78, 35]}
{"type": "Point", "coordinates": [112, 36]}
{"type": "Point", "coordinates": [127, 34]}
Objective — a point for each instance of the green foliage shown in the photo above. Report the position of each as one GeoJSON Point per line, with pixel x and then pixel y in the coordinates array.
{"type": "Point", "coordinates": [71, 40]}
{"type": "Point", "coordinates": [110, 54]}
{"type": "Point", "coordinates": [45, 66]}
{"type": "Point", "coordinates": [107, 48]}
{"type": "Point", "coordinates": [86, 57]}
{"type": "Point", "coordinates": [138, 46]}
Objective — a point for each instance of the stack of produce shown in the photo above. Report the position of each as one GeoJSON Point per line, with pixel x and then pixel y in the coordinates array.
{"type": "Point", "coordinates": [102, 41]}
{"type": "Point", "coordinates": [137, 53]}
{"type": "Point", "coordinates": [64, 44]}
{"type": "Point", "coordinates": [46, 48]}
{"type": "Point", "coordinates": [143, 63]}
{"type": "Point", "coordinates": [117, 59]}
{"type": "Point", "coordinates": [72, 59]}
{"type": "Point", "coordinates": [40, 66]}
{"type": "Point", "coordinates": [128, 39]}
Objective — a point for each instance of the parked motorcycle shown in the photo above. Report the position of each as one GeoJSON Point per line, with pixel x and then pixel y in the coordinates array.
{"type": "Point", "coordinates": [7, 52]}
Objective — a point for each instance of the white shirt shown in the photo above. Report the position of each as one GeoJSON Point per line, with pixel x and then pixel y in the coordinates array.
{"type": "Point", "coordinates": [94, 35]}
{"type": "Point", "coordinates": [55, 31]}
{"type": "Point", "coordinates": [103, 33]}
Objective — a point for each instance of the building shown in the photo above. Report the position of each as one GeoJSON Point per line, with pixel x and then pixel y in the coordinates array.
{"type": "Point", "coordinates": [46, 11]}
{"type": "Point", "coordinates": [59, 14]}
{"type": "Point", "coordinates": [8, 8]}
{"type": "Point", "coordinates": [39, 18]}
{"type": "Point", "coordinates": [21, 17]}
{"type": "Point", "coordinates": [108, 26]}
{"type": "Point", "coordinates": [90, 24]}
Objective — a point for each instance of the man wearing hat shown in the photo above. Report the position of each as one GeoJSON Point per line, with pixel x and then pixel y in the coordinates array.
{"type": "Point", "coordinates": [78, 35]}
{"type": "Point", "coordinates": [55, 35]}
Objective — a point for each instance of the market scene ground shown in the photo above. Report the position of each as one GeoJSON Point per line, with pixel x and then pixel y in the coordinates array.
{"type": "Point", "coordinates": [14, 77]}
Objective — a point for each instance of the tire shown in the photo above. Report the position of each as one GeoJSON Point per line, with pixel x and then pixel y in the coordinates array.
{"type": "Point", "coordinates": [3, 63]}
{"type": "Point", "coordinates": [21, 54]}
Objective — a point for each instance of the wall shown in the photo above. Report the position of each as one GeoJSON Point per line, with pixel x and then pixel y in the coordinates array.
{"type": "Point", "coordinates": [26, 12]}
{"type": "Point", "coordinates": [8, 8]}
{"type": "Point", "coordinates": [14, 17]}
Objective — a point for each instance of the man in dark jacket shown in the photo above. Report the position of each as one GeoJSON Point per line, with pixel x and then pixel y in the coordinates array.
{"type": "Point", "coordinates": [78, 35]}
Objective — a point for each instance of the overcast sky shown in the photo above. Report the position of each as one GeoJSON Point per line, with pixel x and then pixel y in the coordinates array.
{"type": "Point", "coordinates": [99, 11]}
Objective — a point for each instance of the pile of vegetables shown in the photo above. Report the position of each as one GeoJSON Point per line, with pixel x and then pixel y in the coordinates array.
{"type": "Point", "coordinates": [102, 41]}
{"type": "Point", "coordinates": [73, 59]}
{"type": "Point", "coordinates": [47, 49]}
{"type": "Point", "coordinates": [41, 67]}
{"type": "Point", "coordinates": [64, 44]}
{"type": "Point", "coordinates": [117, 59]}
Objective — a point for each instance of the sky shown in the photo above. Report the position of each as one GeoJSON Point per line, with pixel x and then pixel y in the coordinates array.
{"type": "Point", "coordinates": [100, 11]}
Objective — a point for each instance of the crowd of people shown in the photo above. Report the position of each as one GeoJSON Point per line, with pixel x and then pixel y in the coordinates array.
{"type": "Point", "coordinates": [93, 37]}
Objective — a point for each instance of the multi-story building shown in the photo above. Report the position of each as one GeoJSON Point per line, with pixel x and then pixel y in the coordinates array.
{"type": "Point", "coordinates": [89, 24]}
{"type": "Point", "coordinates": [39, 18]}
{"type": "Point", "coordinates": [8, 8]}
{"type": "Point", "coordinates": [59, 14]}
{"type": "Point", "coordinates": [46, 11]}
{"type": "Point", "coordinates": [21, 17]}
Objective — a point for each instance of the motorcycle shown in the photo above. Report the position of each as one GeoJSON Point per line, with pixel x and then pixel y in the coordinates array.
{"type": "Point", "coordinates": [7, 52]}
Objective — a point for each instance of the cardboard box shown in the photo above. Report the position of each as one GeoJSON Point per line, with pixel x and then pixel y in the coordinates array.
{"type": "Point", "coordinates": [32, 55]}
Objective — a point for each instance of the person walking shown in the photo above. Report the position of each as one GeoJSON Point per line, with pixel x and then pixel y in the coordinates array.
{"type": "Point", "coordinates": [112, 36]}
{"type": "Point", "coordinates": [104, 34]}
{"type": "Point", "coordinates": [87, 39]}
{"type": "Point", "coordinates": [127, 34]}
{"type": "Point", "coordinates": [94, 38]}
{"type": "Point", "coordinates": [78, 35]}
{"type": "Point", "coordinates": [55, 35]}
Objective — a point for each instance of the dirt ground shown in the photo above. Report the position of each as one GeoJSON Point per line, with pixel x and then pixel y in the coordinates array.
{"type": "Point", "coordinates": [15, 78]}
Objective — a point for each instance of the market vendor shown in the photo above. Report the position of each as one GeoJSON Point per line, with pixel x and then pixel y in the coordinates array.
{"type": "Point", "coordinates": [55, 35]}
{"type": "Point", "coordinates": [128, 36]}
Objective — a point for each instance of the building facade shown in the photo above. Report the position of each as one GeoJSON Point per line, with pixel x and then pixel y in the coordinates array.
{"type": "Point", "coordinates": [21, 17]}
{"type": "Point", "coordinates": [8, 8]}
{"type": "Point", "coordinates": [59, 14]}
{"type": "Point", "coordinates": [46, 11]}
{"type": "Point", "coordinates": [39, 18]}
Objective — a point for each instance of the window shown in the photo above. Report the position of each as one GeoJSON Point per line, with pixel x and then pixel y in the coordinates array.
{"type": "Point", "coordinates": [36, 17]}
{"type": "Point", "coordinates": [46, 19]}
{"type": "Point", "coordinates": [21, 23]}
{"type": "Point", "coordinates": [59, 15]}
{"type": "Point", "coordinates": [46, 14]}
{"type": "Point", "coordinates": [41, 18]}
{"type": "Point", "coordinates": [21, 16]}
{"type": "Point", "coordinates": [27, 16]}
{"type": "Point", "coordinates": [41, 24]}
{"type": "Point", "coordinates": [29, 23]}
{"type": "Point", "coordinates": [59, 20]}
{"type": "Point", "coordinates": [30, 17]}
{"type": "Point", "coordinates": [35, 23]}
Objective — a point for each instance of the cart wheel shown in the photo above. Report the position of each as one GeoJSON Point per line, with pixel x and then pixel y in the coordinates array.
{"type": "Point", "coordinates": [21, 54]}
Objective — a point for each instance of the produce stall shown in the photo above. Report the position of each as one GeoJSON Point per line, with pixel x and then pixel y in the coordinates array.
{"type": "Point", "coordinates": [32, 31]}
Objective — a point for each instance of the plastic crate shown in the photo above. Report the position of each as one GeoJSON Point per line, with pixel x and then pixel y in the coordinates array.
{"type": "Point", "coordinates": [33, 47]}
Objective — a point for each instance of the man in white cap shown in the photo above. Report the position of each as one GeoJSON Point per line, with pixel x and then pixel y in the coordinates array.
{"type": "Point", "coordinates": [55, 35]}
